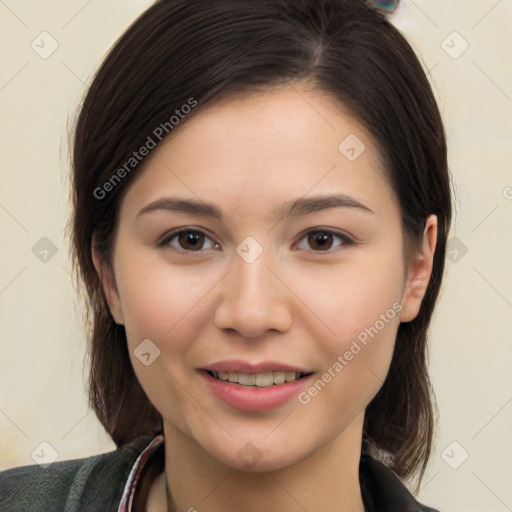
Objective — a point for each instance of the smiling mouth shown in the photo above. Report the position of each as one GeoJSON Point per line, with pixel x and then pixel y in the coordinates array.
{"type": "Point", "coordinates": [258, 380]}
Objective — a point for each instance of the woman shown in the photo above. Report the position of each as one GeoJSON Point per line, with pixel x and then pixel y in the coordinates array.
{"type": "Point", "coordinates": [261, 205]}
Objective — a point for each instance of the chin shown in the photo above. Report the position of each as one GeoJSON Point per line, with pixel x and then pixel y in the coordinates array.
{"type": "Point", "coordinates": [258, 455]}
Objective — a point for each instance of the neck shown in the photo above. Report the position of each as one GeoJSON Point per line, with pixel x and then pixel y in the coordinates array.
{"type": "Point", "coordinates": [327, 479]}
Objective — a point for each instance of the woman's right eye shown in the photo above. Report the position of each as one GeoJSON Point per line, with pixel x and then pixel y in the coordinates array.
{"type": "Point", "coordinates": [186, 240]}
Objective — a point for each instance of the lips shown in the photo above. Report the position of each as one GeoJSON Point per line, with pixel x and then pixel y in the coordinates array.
{"type": "Point", "coordinates": [254, 398]}
{"type": "Point", "coordinates": [255, 386]}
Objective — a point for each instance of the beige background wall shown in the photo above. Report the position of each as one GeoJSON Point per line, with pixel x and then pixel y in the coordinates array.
{"type": "Point", "coordinates": [42, 341]}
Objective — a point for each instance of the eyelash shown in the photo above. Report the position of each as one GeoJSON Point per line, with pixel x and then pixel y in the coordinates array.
{"type": "Point", "coordinates": [166, 240]}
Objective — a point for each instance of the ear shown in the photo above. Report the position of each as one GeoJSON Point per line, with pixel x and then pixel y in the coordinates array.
{"type": "Point", "coordinates": [419, 271]}
{"type": "Point", "coordinates": [109, 285]}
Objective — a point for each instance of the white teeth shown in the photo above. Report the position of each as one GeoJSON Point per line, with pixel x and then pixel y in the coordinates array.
{"type": "Point", "coordinates": [289, 376]}
{"type": "Point", "coordinates": [247, 379]}
{"type": "Point", "coordinates": [261, 380]}
{"type": "Point", "coordinates": [279, 377]}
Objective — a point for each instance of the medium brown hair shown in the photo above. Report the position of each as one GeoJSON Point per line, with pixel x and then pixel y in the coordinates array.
{"type": "Point", "coordinates": [214, 50]}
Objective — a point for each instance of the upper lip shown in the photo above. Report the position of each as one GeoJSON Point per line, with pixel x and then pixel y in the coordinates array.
{"type": "Point", "coordinates": [239, 366]}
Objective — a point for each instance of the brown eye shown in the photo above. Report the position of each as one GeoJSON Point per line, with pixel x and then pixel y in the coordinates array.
{"type": "Point", "coordinates": [186, 240]}
{"type": "Point", "coordinates": [322, 240]}
{"type": "Point", "coordinates": [190, 240]}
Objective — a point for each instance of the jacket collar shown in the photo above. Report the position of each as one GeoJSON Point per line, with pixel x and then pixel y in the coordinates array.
{"type": "Point", "coordinates": [382, 491]}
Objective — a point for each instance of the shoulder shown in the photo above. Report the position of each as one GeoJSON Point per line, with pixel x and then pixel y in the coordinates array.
{"type": "Point", "coordinates": [382, 490]}
{"type": "Point", "coordinates": [88, 484]}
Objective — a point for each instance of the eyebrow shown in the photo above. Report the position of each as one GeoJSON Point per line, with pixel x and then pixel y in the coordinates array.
{"type": "Point", "coordinates": [293, 208]}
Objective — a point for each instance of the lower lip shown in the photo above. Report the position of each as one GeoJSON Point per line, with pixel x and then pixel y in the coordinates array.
{"type": "Point", "coordinates": [254, 398]}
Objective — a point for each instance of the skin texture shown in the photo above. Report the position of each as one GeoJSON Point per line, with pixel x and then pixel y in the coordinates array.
{"type": "Point", "coordinates": [299, 302]}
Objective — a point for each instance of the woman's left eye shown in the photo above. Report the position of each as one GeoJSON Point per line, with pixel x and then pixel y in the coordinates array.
{"type": "Point", "coordinates": [320, 239]}
{"type": "Point", "coordinates": [323, 239]}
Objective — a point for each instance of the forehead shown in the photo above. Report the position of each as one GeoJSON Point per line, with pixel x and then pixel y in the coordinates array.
{"type": "Point", "coordinates": [271, 146]}
{"type": "Point", "coordinates": [278, 121]}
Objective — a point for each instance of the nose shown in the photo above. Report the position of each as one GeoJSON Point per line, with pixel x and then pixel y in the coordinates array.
{"type": "Point", "coordinates": [255, 299]}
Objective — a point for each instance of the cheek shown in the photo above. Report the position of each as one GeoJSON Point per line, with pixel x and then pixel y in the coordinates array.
{"type": "Point", "coordinates": [352, 296]}
{"type": "Point", "coordinates": [159, 299]}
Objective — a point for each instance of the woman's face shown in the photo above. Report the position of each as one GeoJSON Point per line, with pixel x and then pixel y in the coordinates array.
{"type": "Point", "coordinates": [259, 286]}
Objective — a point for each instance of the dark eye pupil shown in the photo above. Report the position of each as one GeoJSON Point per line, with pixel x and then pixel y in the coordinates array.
{"type": "Point", "coordinates": [323, 240]}
{"type": "Point", "coordinates": [193, 238]}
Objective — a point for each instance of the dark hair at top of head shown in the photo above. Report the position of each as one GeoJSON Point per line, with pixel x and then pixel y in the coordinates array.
{"type": "Point", "coordinates": [209, 51]}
